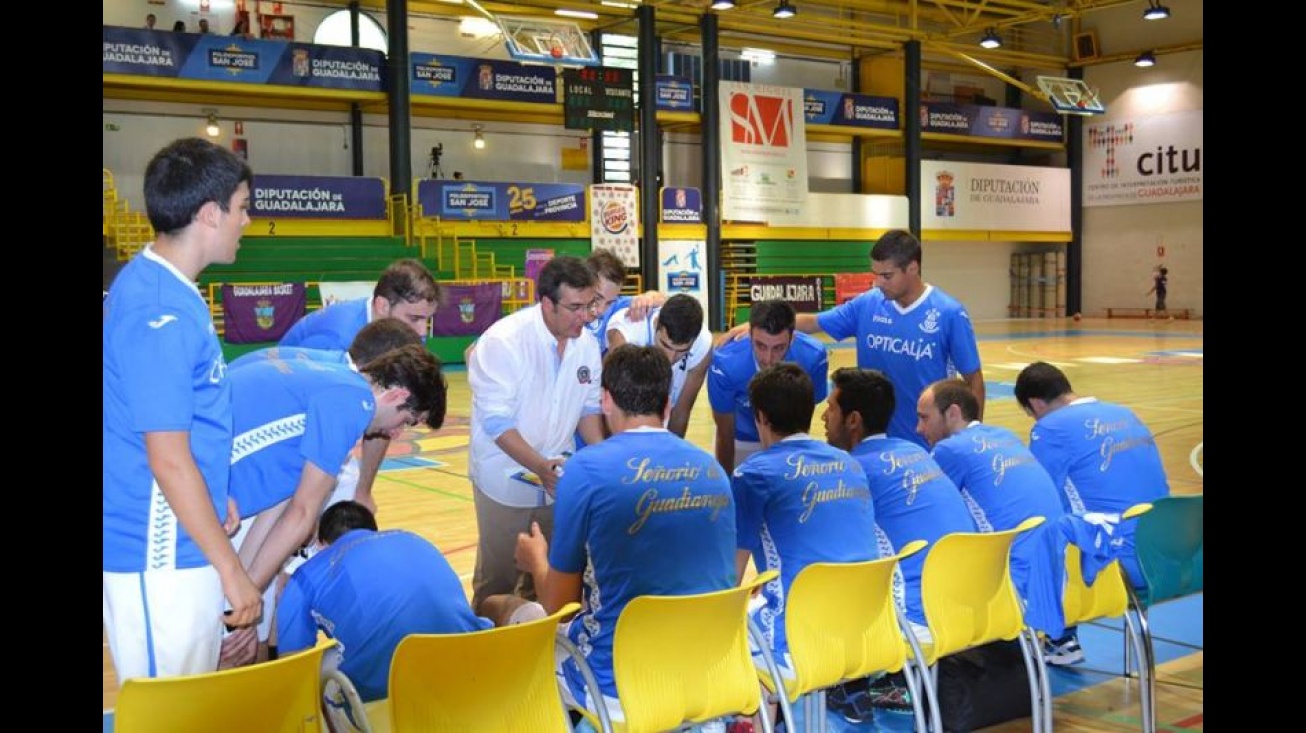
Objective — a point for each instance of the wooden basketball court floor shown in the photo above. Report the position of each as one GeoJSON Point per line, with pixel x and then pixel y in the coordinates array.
{"type": "Point", "coordinates": [1154, 367]}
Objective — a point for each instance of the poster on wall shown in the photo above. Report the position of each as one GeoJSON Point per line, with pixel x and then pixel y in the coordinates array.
{"type": "Point", "coordinates": [614, 220]}
{"type": "Point", "coordinates": [763, 153]}
{"type": "Point", "coordinates": [1150, 160]}
{"type": "Point", "coordinates": [984, 196]}
{"type": "Point", "coordinates": [682, 268]}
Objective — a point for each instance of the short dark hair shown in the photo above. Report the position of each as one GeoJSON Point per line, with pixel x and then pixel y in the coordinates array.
{"type": "Point", "coordinates": [682, 317]}
{"type": "Point", "coordinates": [952, 391]}
{"type": "Point", "coordinates": [380, 336]}
{"type": "Point", "coordinates": [898, 246]}
{"type": "Point", "coordinates": [416, 370]}
{"type": "Point", "coordinates": [868, 393]}
{"type": "Point", "coordinates": [186, 174]}
{"type": "Point", "coordinates": [342, 517]}
{"type": "Point", "coordinates": [773, 316]}
{"type": "Point", "coordinates": [785, 394]}
{"type": "Point", "coordinates": [407, 281]}
{"type": "Point", "coordinates": [564, 270]}
{"type": "Point", "coordinates": [638, 378]}
{"type": "Point", "coordinates": [1042, 381]}
{"type": "Point", "coordinates": [606, 264]}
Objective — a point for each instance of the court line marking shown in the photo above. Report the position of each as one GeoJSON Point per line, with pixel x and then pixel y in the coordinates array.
{"type": "Point", "coordinates": [1192, 459]}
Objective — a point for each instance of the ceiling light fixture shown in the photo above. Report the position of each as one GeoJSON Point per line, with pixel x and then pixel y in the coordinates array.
{"type": "Point", "coordinates": [584, 14]}
{"type": "Point", "coordinates": [763, 56]}
{"type": "Point", "coordinates": [723, 4]}
{"type": "Point", "coordinates": [478, 141]}
{"type": "Point", "coordinates": [212, 129]}
{"type": "Point", "coordinates": [1155, 11]}
{"type": "Point", "coordinates": [991, 39]}
{"type": "Point", "coordinates": [1145, 59]}
{"type": "Point", "coordinates": [784, 10]}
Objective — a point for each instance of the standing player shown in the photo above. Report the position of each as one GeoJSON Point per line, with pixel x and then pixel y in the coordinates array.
{"type": "Point", "coordinates": [677, 329]}
{"type": "Point", "coordinates": [771, 340]}
{"type": "Point", "coordinates": [167, 426]}
{"type": "Point", "coordinates": [612, 274]}
{"type": "Point", "coordinates": [910, 330]}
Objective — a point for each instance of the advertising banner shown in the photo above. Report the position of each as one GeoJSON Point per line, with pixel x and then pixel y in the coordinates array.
{"type": "Point", "coordinates": [317, 197]}
{"type": "Point", "coordinates": [1150, 160]}
{"type": "Point", "coordinates": [674, 93]}
{"type": "Point", "coordinates": [499, 201]}
{"type": "Point", "coordinates": [215, 57]}
{"type": "Point", "coordinates": [803, 292]}
{"type": "Point", "coordinates": [849, 285]}
{"type": "Point", "coordinates": [681, 205]}
{"type": "Point", "coordinates": [763, 153]}
{"type": "Point", "coordinates": [682, 268]}
{"type": "Point", "coordinates": [468, 309]}
{"type": "Point", "coordinates": [822, 107]}
{"type": "Point", "coordinates": [614, 220]}
{"type": "Point", "coordinates": [256, 314]}
{"type": "Point", "coordinates": [984, 196]}
{"type": "Point", "coordinates": [459, 76]}
{"type": "Point", "coordinates": [999, 122]}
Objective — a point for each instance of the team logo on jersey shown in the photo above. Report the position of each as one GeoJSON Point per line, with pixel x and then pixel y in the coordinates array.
{"type": "Point", "coordinates": [583, 375]}
{"type": "Point", "coordinates": [879, 318]}
{"type": "Point", "coordinates": [218, 370]}
{"type": "Point", "coordinates": [931, 322]}
{"type": "Point", "coordinates": [162, 321]}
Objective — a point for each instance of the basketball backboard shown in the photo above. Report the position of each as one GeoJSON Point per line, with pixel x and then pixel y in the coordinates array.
{"type": "Point", "coordinates": [545, 41]}
{"type": "Point", "coordinates": [1071, 96]}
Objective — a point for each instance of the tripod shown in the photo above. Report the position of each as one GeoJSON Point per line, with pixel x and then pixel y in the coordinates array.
{"type": "Point", "coordinates": [436, 172]}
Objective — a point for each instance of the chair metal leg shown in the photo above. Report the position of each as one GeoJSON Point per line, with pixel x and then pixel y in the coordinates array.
{"type": "Point", "coordinates": [591, 684]}
{"type": "Point", "coordinates": [910, 672]}
{"type": "Point", "coordinates": [1141, 640]}
{"type": "Point", "coordinates": [1035, 688]}
{"type": "Point", "coordinates": [818, 710]}
{"type": "Point", "coordinates": [1045, 684]}
{"type": "Point", "coordinates": [777, 679]}
{"type": "Point", "coordinates": [928, 678]}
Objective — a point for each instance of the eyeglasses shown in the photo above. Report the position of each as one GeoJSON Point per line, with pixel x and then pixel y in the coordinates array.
{"type": "Point", "coordinates": [592, 307]}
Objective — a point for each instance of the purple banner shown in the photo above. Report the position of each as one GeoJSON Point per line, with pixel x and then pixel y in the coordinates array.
{"type": "Point", "coordinates": [682, 205]}
{"type": "Point", "coordinates": [257, 314]}
{"type": "Point", "coordinates": [317, 197]}
{"type": "Point", "coordinates": [805, 294]}
{"type": "Point", "coordinates": [500, 201]}
{"type": "Point", "coordinates": [438, 75]}
{"type": "Point", "coordinates": [535, 259]}
{"type": "Point", "coordinates": [984, 121]}
{"type": "Point", "coordinates": [674, 93]}
{"type": "Point", "coordinates": [468, 309]}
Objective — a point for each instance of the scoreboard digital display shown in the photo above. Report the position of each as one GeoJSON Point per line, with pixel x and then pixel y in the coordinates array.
{"type": "Point", "coordinates": [599, 98]}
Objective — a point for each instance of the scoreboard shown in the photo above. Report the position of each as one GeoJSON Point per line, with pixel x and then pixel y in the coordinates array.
{"type": "Point", "coordinates": [599, 98]}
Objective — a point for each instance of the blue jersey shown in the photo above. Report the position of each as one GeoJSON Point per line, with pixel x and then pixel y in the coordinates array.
{"type": "Point", "coordinates": [289, 353]}
{"type": "Point", "coordinates": [914, 500]}
{"type": "Point", "coordinates": [332, 327]}
{"type": "Point", "coordinates": [914, 347]}
{"type": "Point", "coordinates": [1003, 485]}
{"type": "Point", "coordinates": [599, 326]}
{"type": "Point", "coordinates": [650, 513]}
{"type": "Point", "coordinates": [163, 371]}
{"type": "Point", "coordinates": [368, 590]}
{"type": "Point", "coordinates": [733, 365]}
{"type": "Point", "coordinates": [800, 501]}
{"type": "Point", "coordinates": [1103, 459]}
{"type": "Point", "coordinates": [286, 413]}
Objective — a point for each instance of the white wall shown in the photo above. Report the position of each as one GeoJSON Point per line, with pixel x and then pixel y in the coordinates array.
{"type": "Point", "coordinates": [976, 273]}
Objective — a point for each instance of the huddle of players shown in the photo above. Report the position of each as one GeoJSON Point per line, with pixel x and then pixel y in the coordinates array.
{"type": "Point", "coordinates": [638, 510]}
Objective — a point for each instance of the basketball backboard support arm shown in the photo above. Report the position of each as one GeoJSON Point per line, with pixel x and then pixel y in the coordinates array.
{"type": "Point", "coordinates": [1067, 96]}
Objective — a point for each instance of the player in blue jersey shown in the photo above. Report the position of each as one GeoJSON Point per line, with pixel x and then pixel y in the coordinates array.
{"type": "Point", "coordinates": [374, 339]}
{"type": "Point", "coordinates": [405, 291]}
{"type": "Point", "coordinates": [368, 590]}
{"type": "Point", "coordinates": [798, 500]}
{"type": "Point", "coordinates": [1003, 484]}
{"type": "Point", "coordinates": [678, 329]}
{"type": "Point", "coordinates": [643, 512]}
{"type": "Point", "coordinates": [914, 500]}
{"type": "Point", "coordinates": [294, 429]}
{"type": "Point", "coordinates": [167, 562]}
{"type": "Point", "coordinates": [771, 339]}
{"type": "Point", "coordinates": [1100, 456]}
{"type": "Point", "coordinates": [910, 330]}
{"type": "Point", "coordinates": [612, 275]}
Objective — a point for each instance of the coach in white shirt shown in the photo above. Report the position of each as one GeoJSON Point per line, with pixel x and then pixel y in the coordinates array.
{"type": "Point", "coordinates": [534, 377]}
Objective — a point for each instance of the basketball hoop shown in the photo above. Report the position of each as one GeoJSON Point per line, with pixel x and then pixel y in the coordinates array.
{"type": "Point", "coordinates": [1071, 96]}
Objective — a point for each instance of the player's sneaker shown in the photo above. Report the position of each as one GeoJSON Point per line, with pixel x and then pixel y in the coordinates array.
{"type": "Point", "coordinates": [1062, 652]}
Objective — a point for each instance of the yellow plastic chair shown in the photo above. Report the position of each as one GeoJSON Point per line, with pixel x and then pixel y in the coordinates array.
{"type": "Point", "coordinates": [685, 659]}
{"type": "Point", "coordinates": [842, 624]}
{"type": "Point", "coordinates": [281, 696]}
{"type": "Point", "coordinates": [969, 600]}
{"type": "Point", "coordinates": [1107, 597]}
{"type": "Point", "coordinates": [499, 680]}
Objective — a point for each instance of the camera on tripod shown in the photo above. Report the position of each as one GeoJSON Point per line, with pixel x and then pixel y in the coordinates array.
{"type": "Point", "coordinates": [436, 171]}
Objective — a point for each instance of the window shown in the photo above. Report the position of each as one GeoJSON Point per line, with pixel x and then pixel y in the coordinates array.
{"type": "Point", "coordinates": [334, 31]}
